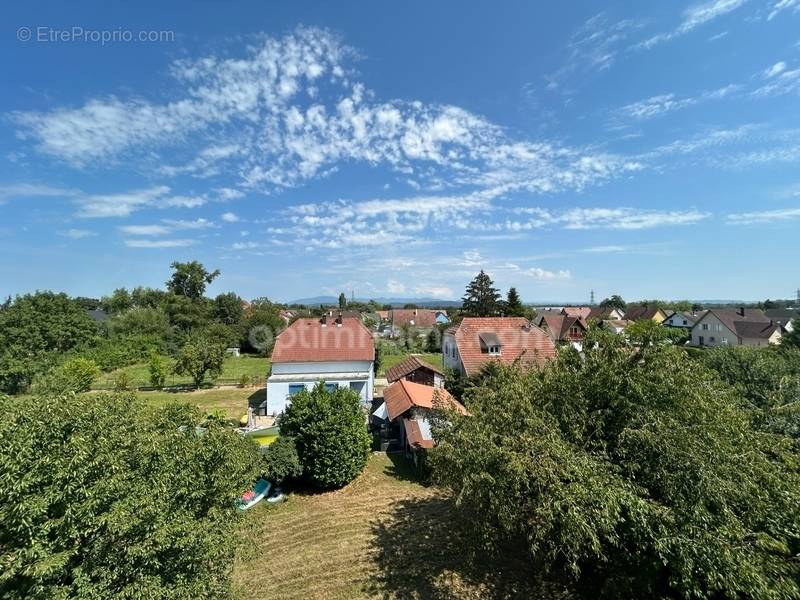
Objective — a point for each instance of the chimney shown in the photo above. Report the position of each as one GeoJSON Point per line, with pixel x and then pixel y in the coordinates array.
{"type": "Point", "coordinates": [741, 311]}
{"type": "Point", "coordinates": [324, 320]}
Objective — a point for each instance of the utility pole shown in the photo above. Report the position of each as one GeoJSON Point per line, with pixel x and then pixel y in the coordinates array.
{"type": "Point", "coordinates": [591, 297]}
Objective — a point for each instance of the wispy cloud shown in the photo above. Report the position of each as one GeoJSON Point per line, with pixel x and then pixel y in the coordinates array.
{"type": "Point", "coordinates": [33, 190]}
{"type": "Point", "coordinates": [656, 106]}
{"type": "Point", "coordinates": [144, 243]}
{"type": "Point", "coordinates": [765, 216]}
{"type": "Point", "coordinates": [77, 234]}
{"type": "Point", "coordinates": [782, 5]}
{"type": "Point", "coordinates": [230, 217]}
{"type": "Point", "coordinates": [694, 17]}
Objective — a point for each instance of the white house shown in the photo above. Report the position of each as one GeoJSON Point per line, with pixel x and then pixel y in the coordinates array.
{"type": "Point", "coordinates": [735, 327]}
{"type": "Point", "coordinates": [685, 320]}
{"type": "Point", "coordinates": [338, 351]}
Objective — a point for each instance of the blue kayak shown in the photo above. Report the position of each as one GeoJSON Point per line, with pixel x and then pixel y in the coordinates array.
{"type": "Point", "coordinates": [259, 492]}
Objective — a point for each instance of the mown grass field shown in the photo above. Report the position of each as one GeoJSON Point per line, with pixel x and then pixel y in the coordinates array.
{"type": "Point", "coordinates": [390, 360]}
{"type": "Point", "coordinates": [232, 401]}
{"type": "Point", "coordinates": [255, 367]}
{"type": "Point", "coordinates": [383, 536]}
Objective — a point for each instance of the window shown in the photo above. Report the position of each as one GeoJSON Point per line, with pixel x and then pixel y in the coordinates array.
{"type": "Point", "coordinates": [494, 350]}
{"type": "Point", "coordinates": [685, 322]}
{"type": "Point", "coordinates": [330, 387]}
{"type": "Point", "coordinates": [295, 388]}
{"type": "Point", "coordinates": [704, 327]}
{"type": "Point", "coordinates": [712, 339]}
{"type": "Point", "coordinates": [574, 332]}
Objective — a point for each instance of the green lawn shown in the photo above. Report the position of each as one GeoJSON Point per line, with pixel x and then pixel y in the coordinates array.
{"type": "Point", "coordinates": [390, 360]}
{"type": "Point", "coordinates": [383, 536]}
{"type": "Point", "coordinates": [232, 401]}
{"type": "Point", "coordinates": [256, 367]}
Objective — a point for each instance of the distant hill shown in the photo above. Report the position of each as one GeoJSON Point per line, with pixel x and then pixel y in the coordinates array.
{"type": "Point", "coordinates": [396, 302]}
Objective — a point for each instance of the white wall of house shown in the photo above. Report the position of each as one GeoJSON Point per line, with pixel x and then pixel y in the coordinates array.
{"type": "Point", "coordinates": [451, 358]}
{"type": "Point", "coordinates": [775, 338]}
{"type": "Point", "coordinates": [286, 378]}
{"type": "Point", "coordinates": [712, 332]}
{"type": "Point", "coordinates": [679, 320]}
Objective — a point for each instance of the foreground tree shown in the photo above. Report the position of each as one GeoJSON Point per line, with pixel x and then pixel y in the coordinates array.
{"type": "Point", "coordinates": [190, 279]}
{"type": "Point", "coordinates": [632, 470]}
{"type": "Point", "coordinates": [104, 497]}
{"type": "Point", "coordinates": [481, 298]}
{"type": "Point", "coordinates": [330, 434]}
{"type": "Point", "coordinates": [198, 357]}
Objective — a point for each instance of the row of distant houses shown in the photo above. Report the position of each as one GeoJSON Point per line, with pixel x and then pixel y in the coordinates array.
{"type": "Point", "coordinates": [705, 328]}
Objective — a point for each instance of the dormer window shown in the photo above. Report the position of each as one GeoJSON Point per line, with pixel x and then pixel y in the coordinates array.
{"type": "Point", "coordinates": [490, 344]}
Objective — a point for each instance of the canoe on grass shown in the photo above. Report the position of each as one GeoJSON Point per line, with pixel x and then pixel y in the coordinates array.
{"type": "Point", "coordinates": [254, 496]}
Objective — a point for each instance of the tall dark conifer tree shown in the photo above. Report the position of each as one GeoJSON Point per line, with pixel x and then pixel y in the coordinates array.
{"type": "Point", "coordinates": [481, 298]}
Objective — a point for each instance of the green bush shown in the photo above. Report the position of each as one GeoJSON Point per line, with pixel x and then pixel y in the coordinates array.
{"type": "Point", "coordinates": [330, 432]}
{"type": "Point", "coordinates": [80, 374]}
{"type": "Point", "coordinates": [104, 497]}
{"type": "Point", "coordinates": [122, 382]}
{"type": "Point", "coordinates": [281, 461]}
{"type": "Point", "coordinates": [244, 380]}
{"type": "Point", "coordinates": [159, 369]}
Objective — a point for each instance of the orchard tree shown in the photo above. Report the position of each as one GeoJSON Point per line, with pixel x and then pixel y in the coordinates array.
{"type": "Point", "coordinates": [105, 497]}
{"type": "Point", "coordinates": [330, 434]}
{"type": "Point", "coordinates": [199, 357]}
{"type": "Point", "coordinates": [481, 298]}
{"type": "Point", "coordinates": [514, 307]}
{"type": "Point", "coordinates": [190, 279]}
{"type": "Point", "coordinates": [634, 471]}
{"type": "Point", "coordinates": [228, 309]}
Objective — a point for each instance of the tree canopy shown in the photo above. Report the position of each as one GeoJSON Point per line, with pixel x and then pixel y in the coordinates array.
{"type": "Point", "coordinates": [104, 497]}
{"type": "Point", "coordinates": [633, 470]}
{"type": "Point", "coordinates": [514, 306]}
{"type": "Point", "coordinates": [481, 298]}
{"type": "Point", "coordinates": [614, 301]}
{"type": "Point", "coordinates": [190, 279]}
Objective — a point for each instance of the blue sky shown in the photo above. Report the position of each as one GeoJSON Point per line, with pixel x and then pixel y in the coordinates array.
{"type": "Point", "coordinates": [650, 149]}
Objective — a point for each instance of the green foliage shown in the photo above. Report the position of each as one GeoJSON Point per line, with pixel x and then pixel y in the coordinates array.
{"type": "Point", "coordinates": [144, 321]}
{"type": "Point", "coordinates": [36, 328]}
{"type": "Point", "coordinates": [481, 298]}
{"type": "Point", "coordinates": [632, 470]}
{"type": "Point", "coordinates": [614, 301]}
{"type": "Point", "coordinates": [103, 497]}
{"type": "Point", "coordinates": [261, 326]}
{"type": "Point", "coordinates": [330, 432]}
{"type": "Point", "coordinates": [119, 301]}
{"type": "Point", "coordinates": [281, 461]}
{"type": "Point", "coordinates": [200, 356]}
{"type": "Point", "coordinates": [514, 306]}
{"type": "Point", "coordinates": [80, 373]}
{"type": "Point", "coordinates": [792, 339]}
{"type": "Point", "coordinates": [122, 382]}
{"type": "Point", "coordinates": [433, 341]}
{"type": "Point", "coordinates": [342, 301]}
{"type": "Point", "coordinates": [190, 279]}
{"type": "Point", "coordinates": [768, 380]}
{"type": "Point", "coordinates": [121, 351]}
{"type": "Point", "coordinates": [158, 368]}
{"type": "Point", "coordinates": [244, 380]}
{"type": "Point", "coordinates": [228, 309]}
{"type": "Point", "coordinates": [186, 314]}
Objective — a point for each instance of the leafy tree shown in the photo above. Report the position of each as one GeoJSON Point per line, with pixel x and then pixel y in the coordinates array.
{"type": "Point", "coordinates": [228, 309]}
{"type": "Point", "coordinates": [696, 307]}
{"type": "Point", "coordinates": [281, 461]}
{"type": "Point", "coordinates": [481, 298]}
{"type": "Point", "coordinates": [342, 300]}
{"type": "Point", "coordinates": [199, 357]}
{"type": "Point", "coordinates": [260, 327]}
{"type": "Point", "coordinates": [514, 306]}
{"type": "Point", "coordinates": [632, 471]}
{"type": "Point", "coordinates": [330, 433]}
{"type": "Point", "coordinates": [159, 369]}
{"type": "Point", "coordinates": [105, 497]}
{"type": "Point", "coordinates": [410, 306]}
{"type": "Point", "coordinates": [432, 341]}
{"type": "Point", "coordinates": [792, 339]}
{"type": "Point", "coordinates": [80, 373]}
{"type": "Point", "coordinates": [614, 301]}
{"type": "Point", "coordinates": [186, 314]}
{"type": "Point", "coordinates": [119, 301]}
{"type": "Point", "coordinates": [141, 321]}
{"type": "Point", "coordinates": [190, 279]}
{"type": "Point", "coordinates": [34, 330]}
{"type": "Point", "coordinates": [146, 297]}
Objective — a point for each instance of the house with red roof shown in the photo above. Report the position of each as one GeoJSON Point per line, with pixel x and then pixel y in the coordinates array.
{"type": "Point", "coordinates": [416, 370]}
{"type": "Point", "coordinates": [478, 340]}
{"type": "Point", "coordinates": [339, 351]}
{"type": "Point", "coordinates": [735, 327]}
{"type": "Point", "coordinates": [564, 328]}
{"type": "Point", "coordinates": [408, 405]}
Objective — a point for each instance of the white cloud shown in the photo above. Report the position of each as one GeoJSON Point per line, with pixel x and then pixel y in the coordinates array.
{"type": "Point", "coordinates": [199, 223]}
{"type": "Point", "coordinates": [119, 205]}
{"type": "Point", "coordinates": [540, 274]}
{"type": "Point", "coordinates": [144, 243]}
{"type": "Point", "coordinates": [255, 115]}
{"type": "Point", "coordinates": [656, 106]}
{"type": "Point", "coordinates": [440, 292]}
{"type": "Point", "coordinates": [694, 17]}
{"type": "Point", "coordinates": [77, 234]}
{"type": "Point", "coordinates": [230, 217]}
{"type": "Point", "coordinates": [766, 216]}
{"type": "Point", "coordinates": [608, 218]}
{"type": "Point", "coordinates": [780, 80]}
{"type": "Point", "coordinates": [395, 287]}
{"type": "Point", "coordinates": [33, 190]}
{"type": "Point", "coordinates": [782, 5]}
{"type": "Point", "coordinates": [776, 69]}
{"type": "Point", "coordinates": [145, 229]}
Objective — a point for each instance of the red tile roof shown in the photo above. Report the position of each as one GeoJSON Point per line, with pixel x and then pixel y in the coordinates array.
{"type": "Point", "coordinates": [414, 434]}
{"type": "Point", "coordinates": [403, 395]}
{"type": "Point", "coordinates": [558, 327]}
{"type": "Point", "coordinates": [519, 339]}
{"type": "Point", "coordinates": [577, 311]}
{"type": "Point", "coordinates": [409, 365]}
{"type": "Point", "coordinates": [417, 317]}
{"type": "Point", "coordinates": [308, 340]}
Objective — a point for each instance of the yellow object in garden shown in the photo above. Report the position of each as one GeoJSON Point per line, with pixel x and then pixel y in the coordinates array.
{"type": "Point", "coordinates": [243, 421]}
